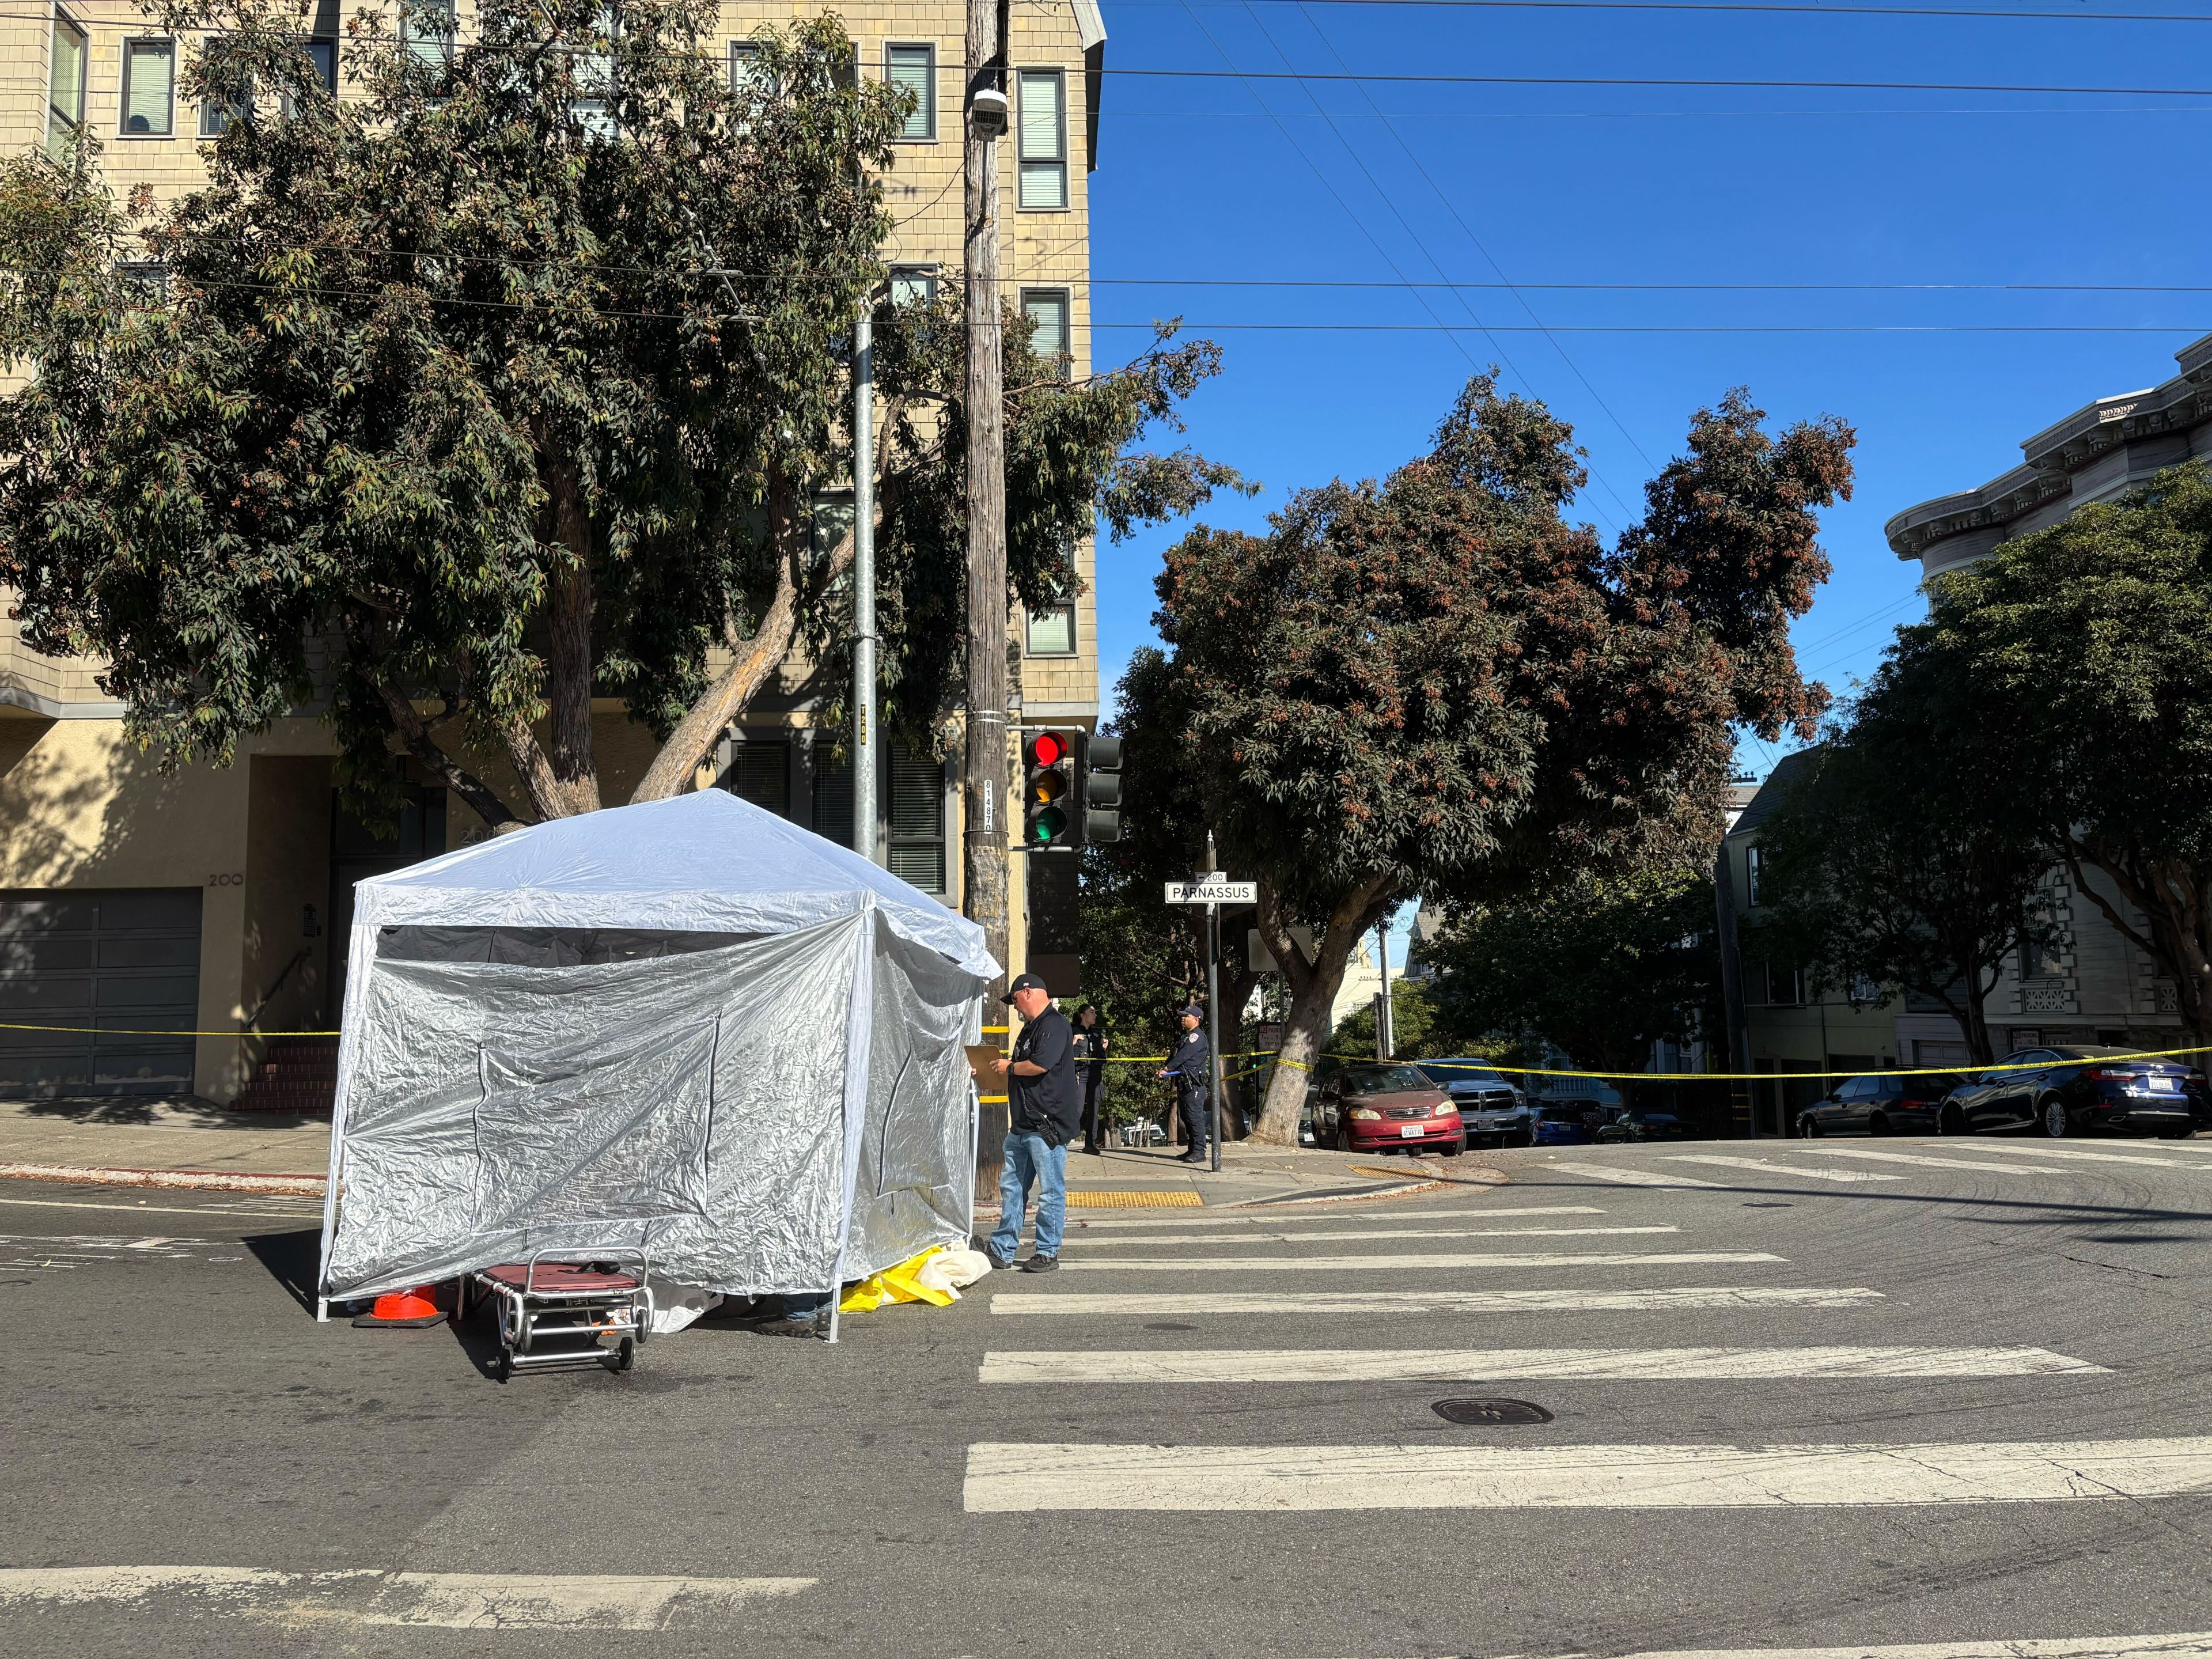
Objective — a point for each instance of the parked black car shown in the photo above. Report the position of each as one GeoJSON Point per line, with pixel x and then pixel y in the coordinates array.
{"type": "Point", "coordinates": [1880, 1103]}
{"type": "Point", "coordinates": [1635, 1124]}
{"type": "Point", "coordinates": [2070, 1092]}
{"type": "Point", "coordinates": [1494, 1112]}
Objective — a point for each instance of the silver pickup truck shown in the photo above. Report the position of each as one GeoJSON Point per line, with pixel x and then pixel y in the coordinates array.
{"type": "Point", "coordinates": [1492, 1111]}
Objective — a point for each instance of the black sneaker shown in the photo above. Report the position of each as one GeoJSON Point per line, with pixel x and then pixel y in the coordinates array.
{"type": "Point", "coordinates": [1000, 1262]}
{"type": "Point", "coordinates": [1040, 1264]}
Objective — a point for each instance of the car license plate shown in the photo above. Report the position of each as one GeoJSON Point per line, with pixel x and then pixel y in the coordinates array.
{"type": "Point", "coordinates": [2165, 1085]}
{"type": "Point", "coordinates": [1411, 1132]}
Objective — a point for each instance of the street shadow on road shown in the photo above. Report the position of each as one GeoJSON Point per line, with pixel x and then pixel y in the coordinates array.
{"type": "Point", "coordinates": [291, 1259]}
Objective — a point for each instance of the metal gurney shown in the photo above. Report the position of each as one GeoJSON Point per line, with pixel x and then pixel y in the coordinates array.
{"type": "Point", "coordinates": [556, 1311]}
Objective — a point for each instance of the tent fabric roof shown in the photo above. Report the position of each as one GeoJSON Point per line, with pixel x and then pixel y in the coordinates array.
{"type": "Point", "coordinates": [703, 862]}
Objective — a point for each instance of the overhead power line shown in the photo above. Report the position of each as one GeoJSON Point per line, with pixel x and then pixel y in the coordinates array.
{"type": "Point", "coordinates": [1371, 79]}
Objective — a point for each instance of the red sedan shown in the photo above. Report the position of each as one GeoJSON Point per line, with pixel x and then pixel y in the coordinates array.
{"type": "Point", "coordinates": [1379, 1107]}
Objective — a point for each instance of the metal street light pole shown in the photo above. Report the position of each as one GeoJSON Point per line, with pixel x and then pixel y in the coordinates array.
{"type": "Point", "coordinates": [863, 739]}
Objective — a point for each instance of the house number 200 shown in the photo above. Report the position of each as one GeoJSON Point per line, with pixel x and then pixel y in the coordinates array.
{"type": "Point", "coordinates": [233, 880]}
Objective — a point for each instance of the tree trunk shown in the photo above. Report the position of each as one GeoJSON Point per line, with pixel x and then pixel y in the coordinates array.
{"type": "Point", "coordinates": [2171, 900]}
{"type": "Point", "coordinates": [569, 662]}
{"type": "Point", "coordinates": [1314, 986]}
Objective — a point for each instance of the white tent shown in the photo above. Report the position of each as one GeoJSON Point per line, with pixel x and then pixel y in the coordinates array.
{"type": "Point", "coordinates": [689, 1027]}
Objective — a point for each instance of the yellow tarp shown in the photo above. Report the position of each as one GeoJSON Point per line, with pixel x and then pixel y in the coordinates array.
{"type": "Point", "coordinates": [899, 1284]}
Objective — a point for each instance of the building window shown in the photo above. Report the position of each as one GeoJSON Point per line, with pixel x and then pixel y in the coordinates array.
{"type": "Point", "coordinates": [592, 108]}
{"type": "Point", "coordinates": [1785, 986]}
{"type": "Point", "coordinates": [1044, 187]}
{"type": "Point", "coordinates": [833, 793]}
{"type": "Point", "coordinates": [749, 71]}
{"type": "Point", "coordinates": [1047, 309]}
{"type": "Point", "coordinates": [913, 69]}
{"type": "Point", "coordinates": [150, 85]}
{"type": "Point", "coordinates": [914, 285]}
{"type": "Point", "coordinates": [1052, 633]}
{"type": "Point", "coordinates": [324, 55]}
{"type": "Point", "coordinates": [430, 31]}
{"type": "Point", "coordinates": [760, 772]}
{"type": "Point", "coordinates": [65, 87]}
{"type": "Point", "coordinates": [915, 845]}
{"type": "Point", "coordinates": [1752, 861]}
{"type": "Point", "coordinates": [147, 281]}
{"type": "Point", "coordinates": [215, 118]}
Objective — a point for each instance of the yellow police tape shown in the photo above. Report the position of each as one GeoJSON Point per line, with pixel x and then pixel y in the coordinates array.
{"type": "Point", "coordinates": [1275, 1057]}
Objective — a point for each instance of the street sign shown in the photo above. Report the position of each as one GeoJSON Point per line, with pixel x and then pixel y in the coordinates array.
{"type": "Point", "coordinates": [1214, 892]}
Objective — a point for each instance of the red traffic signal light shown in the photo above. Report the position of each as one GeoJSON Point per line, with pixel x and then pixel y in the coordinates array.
{"type": "Point", "coordinates": [1046, 789]}
{"type": "Point", "coordinates": [1048, 749]}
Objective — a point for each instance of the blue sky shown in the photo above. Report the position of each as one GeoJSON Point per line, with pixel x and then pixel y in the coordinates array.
{"type": "Point", "coordinates": [1204, 179]}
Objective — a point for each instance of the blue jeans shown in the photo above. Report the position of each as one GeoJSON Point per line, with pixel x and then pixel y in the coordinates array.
{"type": "Point", "coordinates": [1030, 1163]}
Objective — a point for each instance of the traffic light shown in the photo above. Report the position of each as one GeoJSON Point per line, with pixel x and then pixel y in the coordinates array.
{"type": "Point", "coordinates": [1098, 777]}
{"type": "Point", "coordinates": [1047, 792]}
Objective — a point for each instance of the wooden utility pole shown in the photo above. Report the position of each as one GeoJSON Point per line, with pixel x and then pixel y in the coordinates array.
{"type": "Point", "coordinates": [983, 884]}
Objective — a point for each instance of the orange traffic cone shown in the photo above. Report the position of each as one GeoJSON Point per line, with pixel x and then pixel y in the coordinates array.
{"type": "Point", "coordinates": [404, 1308]}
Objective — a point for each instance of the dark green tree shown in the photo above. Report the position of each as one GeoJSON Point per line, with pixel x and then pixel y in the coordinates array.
{"type": "Point", "coordinates": [2083, 656]}
{"type": "Point", "coordinates": [1907, 851]}
{"type": "Point", "coordinates": [1436, 685]}
{"type": "Point", "coordinates": [514, 380]}
{"type": "Point", "coordinates": [1602, 968]}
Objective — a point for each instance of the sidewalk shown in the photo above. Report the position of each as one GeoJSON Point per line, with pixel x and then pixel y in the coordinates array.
{"type": "Point", "coordinates": [185, 1142]}
{"type": "Point", "coordinates": [171, 1142]}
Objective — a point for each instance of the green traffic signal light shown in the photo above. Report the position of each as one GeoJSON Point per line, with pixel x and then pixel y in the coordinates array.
{"type": "Point", "coordinates": [1048, 826]}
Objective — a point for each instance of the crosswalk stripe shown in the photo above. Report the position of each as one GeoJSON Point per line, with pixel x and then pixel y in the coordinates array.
{"type": "Point", "coordinates": [2186, 1645]}
{"type": "Point", "coordinates": [1384, 1233]}
{"type": "Point", "coordinates": [441, 1601]}
{"type": "Point", "coordinates": [1387, 1263]}
{"type": "Point", "coordinates": [1513, 1365]}
{"type": "Point", "coordinates": [1134, 1303]}
{"type": "Point", "coordinates": [2087, 1157]}
{"type": "Point", "coordinates": [1767, 1168]}
{"type": "Point", "coordinates": [1628, 1177]}
{"type": "Point", "coordinates": [1003, 1477]}
{"type": "Point", "coordinates": [1930, 1163]}
{"type": "Point", "coordinates": [1337, 1217]}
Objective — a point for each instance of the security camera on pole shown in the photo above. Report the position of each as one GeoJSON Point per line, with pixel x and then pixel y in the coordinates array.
{"type": "Point", "coordinates": [1213, 890]}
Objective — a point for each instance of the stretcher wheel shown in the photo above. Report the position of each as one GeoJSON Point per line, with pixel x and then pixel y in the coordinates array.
{"type": "Point", "coordinates": [503, 1367]}
{"type": "Point", "coordinates": [624, 1355]}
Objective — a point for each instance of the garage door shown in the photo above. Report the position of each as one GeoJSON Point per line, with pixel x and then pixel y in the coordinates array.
{"type": "Point", "coordinates": [125, 961]}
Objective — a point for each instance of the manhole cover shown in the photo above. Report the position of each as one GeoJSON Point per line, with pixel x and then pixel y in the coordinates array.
{"type": "Point", "coordinates": [1163, 1327]}
{"type": "Point", "coordinates": [1483, 1414]}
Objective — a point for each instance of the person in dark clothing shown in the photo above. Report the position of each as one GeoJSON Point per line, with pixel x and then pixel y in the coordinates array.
{"type": "Point", "coordinates": [1043, 1110]}
{"type": "Point", "coordinates": [1091, 1050]}
{"type": "Point", "coordinates": [1189, 1063]}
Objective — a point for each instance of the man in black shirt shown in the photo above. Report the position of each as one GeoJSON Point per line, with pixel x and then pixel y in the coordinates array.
{"type": "Point", "coordinates": [1043, 1110]}
{"type": "Point", "coordinates": [1188, 1063]}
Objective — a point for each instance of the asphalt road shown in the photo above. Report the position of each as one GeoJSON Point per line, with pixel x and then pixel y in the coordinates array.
{"type": "Point", "coordinates": [1814, 1399]}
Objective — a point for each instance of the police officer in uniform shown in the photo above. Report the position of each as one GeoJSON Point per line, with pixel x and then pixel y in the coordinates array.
{"type": "Point", "coordinates": [1189, 1064]}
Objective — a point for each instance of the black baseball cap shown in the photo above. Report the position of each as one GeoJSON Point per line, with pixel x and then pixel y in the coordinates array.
{"type": "Point", "coordinates": [1023, 982]}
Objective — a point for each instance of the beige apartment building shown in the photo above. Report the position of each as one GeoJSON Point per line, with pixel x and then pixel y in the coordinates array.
{"type": "Point", "coordinates": [2100, 988]}
{"type": "Point", "coordinates": [206, 900]}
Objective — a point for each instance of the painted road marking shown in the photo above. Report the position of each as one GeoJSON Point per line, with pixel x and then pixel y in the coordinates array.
{"type": "Point", "coordinates": [1628, 1177]}
{"type": "Point", "coordinates": [1134, 1303]}
{"type": "Point", "coordinates": [1387, 1263]}
{"type": "Point", "coordinates": [19, 1252]}
{"type": "Point", "coordinates": [2087, 1157]}
{"type": "Point", "coordinates": [1384, 1233]}
{"type": "Point", "coordinates": [1514, 1364]}
{"type": "Point", "coordinates": [2198, 1645]}
{"type": "Point", "coordinates": [1431, 1476]}
{"type": "Point", "coordinates": [1268, 1220]}
{"type": "Point", "coordinates": [1930, 1163]}
{"type": "Point", "coordinates": [1765, 1168]}
{"type": "Point", "coordinates": [442, 1601]}
{"type": "Point", "coordinates": [160, 1209]}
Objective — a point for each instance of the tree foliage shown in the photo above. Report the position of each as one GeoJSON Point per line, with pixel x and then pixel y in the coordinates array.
{"type": "Point", "coordinates": [1436, 684]}
{"type": "Point", "coordinates": [2083, 656]}
{"type": "Point", "coordinates": [1602, 968]}
{"type": "Point", "coordinates": [1907, 850]}
{"type": "Point", "coordinates": [517, 380]}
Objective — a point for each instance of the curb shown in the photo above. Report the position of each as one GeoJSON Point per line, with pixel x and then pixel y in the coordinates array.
{"type": "Point", "coordinates": [212, 1181]}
